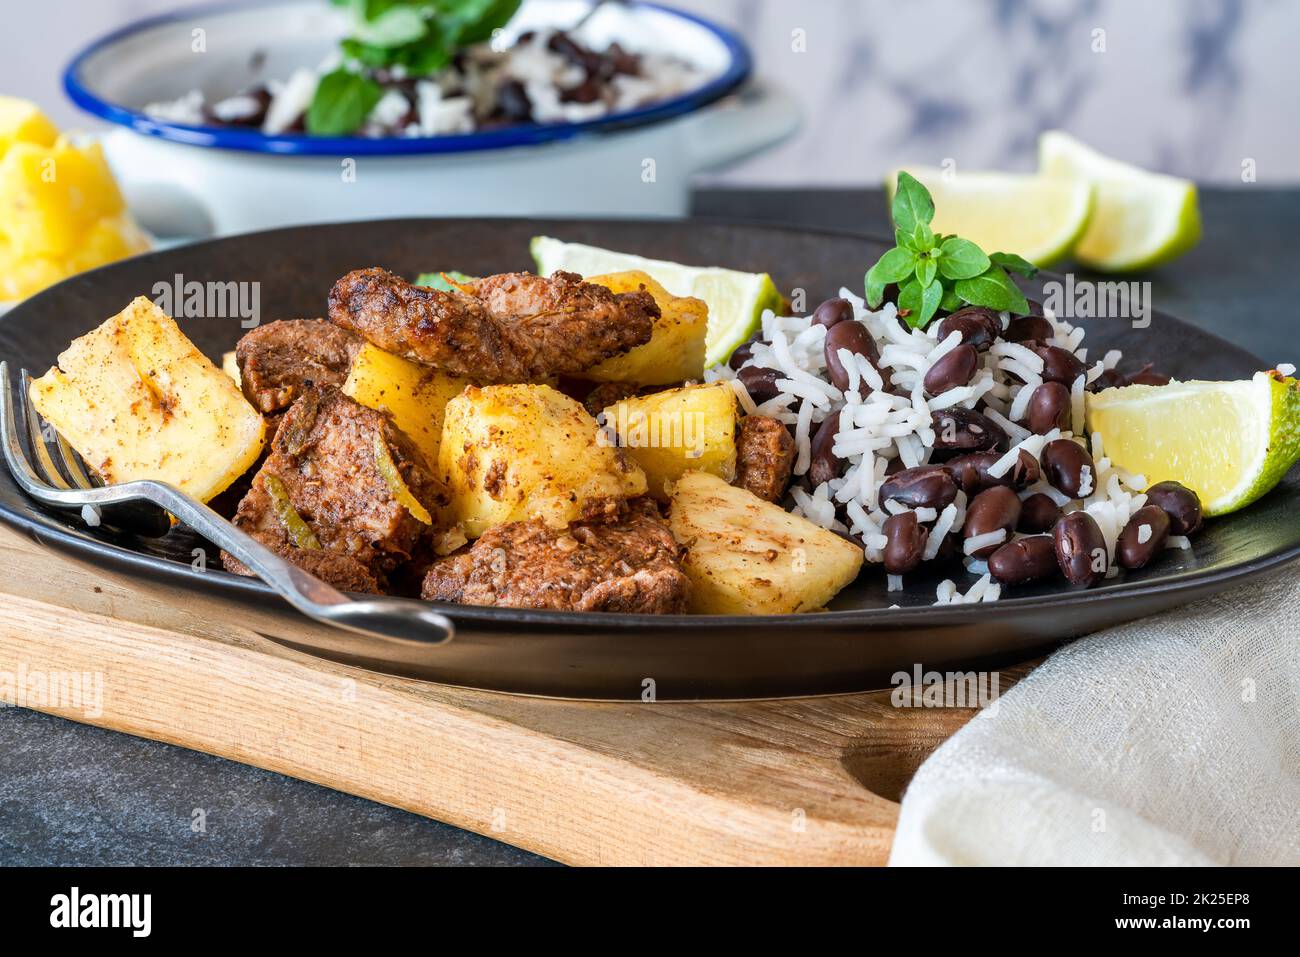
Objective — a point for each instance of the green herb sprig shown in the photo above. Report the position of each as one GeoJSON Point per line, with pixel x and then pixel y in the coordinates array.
{"type": "Point", "coordinates": [420, 36]}
{"type": "Point", "coordinates": [934, 272]}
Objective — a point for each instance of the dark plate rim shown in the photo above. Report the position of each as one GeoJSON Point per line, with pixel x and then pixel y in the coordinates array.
{"type": "Point", "coordinates": [734, 76]}
{"type": "Point", "coordinates": [39, 525]}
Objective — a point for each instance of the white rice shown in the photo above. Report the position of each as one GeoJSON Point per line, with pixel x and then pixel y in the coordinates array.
{"type": "Point", "coordinates": [976, 542]}
{"type": "Point", "coordinates": [878, 429]}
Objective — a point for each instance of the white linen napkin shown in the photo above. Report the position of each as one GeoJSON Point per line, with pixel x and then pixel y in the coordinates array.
{"type": "Point", "coordinates": [1171, 740]}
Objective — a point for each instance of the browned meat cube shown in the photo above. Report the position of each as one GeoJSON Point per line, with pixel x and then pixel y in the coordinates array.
{"type": "Point", "coordinates": [631, 564]}
{"type": "Point", "coordinates": [764, 457]}
{"type": "Point", "coordinates": [515, 327]}
{"type": "Point", "coordinates": [324, 488]}
{"type": "Point", "coordinates": [281, 360]}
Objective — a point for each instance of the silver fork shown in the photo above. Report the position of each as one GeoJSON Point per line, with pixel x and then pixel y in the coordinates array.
{"type": "Point", "coordinates": [386, 618]}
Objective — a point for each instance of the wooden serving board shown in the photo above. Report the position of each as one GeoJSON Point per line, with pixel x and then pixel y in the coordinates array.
{"type": "Point", "coordinates": [809, 781]}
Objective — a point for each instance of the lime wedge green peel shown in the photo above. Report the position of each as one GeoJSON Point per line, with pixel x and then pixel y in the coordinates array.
{"type": "Point", "coordinates": [1230, 442]}
{"type": "Point", "coordinates": [1037, 217]}
{"type": "Point", "coordinates": [1142, 219]}
{"type": "Point", "coordinates": [736, 300]}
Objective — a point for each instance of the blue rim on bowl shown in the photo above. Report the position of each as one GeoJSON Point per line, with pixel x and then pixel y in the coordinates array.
{"type": "Point", "coordinates": [738, 70]}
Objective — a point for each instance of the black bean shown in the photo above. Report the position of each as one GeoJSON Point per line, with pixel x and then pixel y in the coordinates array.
{"type": "Point", "coordinates": [1049, 408]}
{"type": "Point", "coordinates": [1028, 328]}
{"type": "Point", "coordinates": [1080, 548]}
{"type": "Point", "coordinates": [1025, 471]}
{"type": "Point", "coordinates": [1181, 503]}
{"type": "Point", "coordinates": [832, 312]}
{"type": "Point", "coordinates": [1025, 560]}
{"type": "Point", "coordinates": [972, 471]}
{"type": "Point", "coordinates": [926, 486]}
{"type": "Point", "coordinates": [1063, 462]}
{"type": "Point", "coordinates": [1059, 365]}
{"type": "Point", "coordinates": [1147, 376]}
{"type": "Point", "coordinates": [824, 465]}
{"type": "Point", "coordinates": [965, 430]}
{"type": "Point", "coordinates": [978, 326]}
{"type": "Point", "coordinates": [1038, 513]}
{"type": "Point", "coordinates": [588, 91]}
{"type": "Point", "coordinates": [742, 354]}
{"type": "Point", "coordinates": [760, 383]}
{"type": "Point", "coordinates": [1109, 379]}
{"type": "Point", "coordinates": [949, 551]}
{"type": "Point", "coordinates": [952, 371]}
{"type": "Point", "coordinates": [854, 337]}
{"type": "Point", "coordinates": [905, 543]}
{"type": "Point", "coordinates": [513, 102]}
{"type": "Point", "coordinates": [1130, 551]}
{"type": "Point", "coordinates": [990, 510]}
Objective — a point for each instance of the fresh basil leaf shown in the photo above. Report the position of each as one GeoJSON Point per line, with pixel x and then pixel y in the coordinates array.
{"type": "Point", "coordinates": [343, 101]}
{"type": "Point", "coordinates": [926, 268]}
{"type": "Point", "coordinates": [994, 289]}
{"type": "Point", "coordinates": [909, 298]}
{"type": "Point", "coordinates": [875, 291]}
{"type": "Point", "coordinates": [395, 26]}
{"type": "Point", "coordinates": [962, 259]}
{"type": "Point", "coordinates": [902, 239]}
{"type": "Point", "coordinates": [1014, 263]}
{"type": "Point", "coordinates": [950, 302]}
{"type": "Point", "coordinates": [921, 302]}
{"type": "Point", "coordinates": [922, 238]}
{"type": "Point", "coordinates": [894, 266]}
{"type": "Point", "coordinates": [931, 297]}
{"type": "Point", "coordinates": [479, 19]}
{"type": "Point", "coordinates": [912, 204]}
{"type": "Point", "coordinates": [434, 280]}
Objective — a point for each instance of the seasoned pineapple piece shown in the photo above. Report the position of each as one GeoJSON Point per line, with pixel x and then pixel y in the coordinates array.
{"type": "Point", "coordinates": [21, 121]}
{"type": "Point", "coordinates": [414, 395]}
{"type": "Point", "coordinates": [676, 431]}
{"type": "Point", "coordinates": [746, 556]}
{"type": "Point", "coordinates": [515, 452]}
{"type": "Point", "coordinates": [138, 401]}
{"type": "Point", "coordinates": [675, 352]}
{"type": "Point", "coordinates": [51, 197]}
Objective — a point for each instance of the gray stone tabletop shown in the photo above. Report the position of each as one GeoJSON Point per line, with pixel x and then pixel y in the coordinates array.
{"type": "Point", "coordinates": [72, 794]}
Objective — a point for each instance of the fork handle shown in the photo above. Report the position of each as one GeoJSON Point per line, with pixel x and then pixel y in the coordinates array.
{"type": "Point", "coordinates": [400, 619]}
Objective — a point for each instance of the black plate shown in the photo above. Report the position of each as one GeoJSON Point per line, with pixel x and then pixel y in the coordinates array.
{"type": "Point", "coordinates": [860, 643]}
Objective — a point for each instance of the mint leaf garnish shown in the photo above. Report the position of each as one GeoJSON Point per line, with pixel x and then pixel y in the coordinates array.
{"type": "Point", "coordinates": [937, 271]}
{"type": "Point", "coordinates": [912, 204]}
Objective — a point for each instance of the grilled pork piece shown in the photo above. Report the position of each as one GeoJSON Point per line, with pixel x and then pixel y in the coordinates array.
{"type": "Point", "coordinates": [629, 564]}
{"type": "Point", "coordinates": [765, 456]}
{"type": "Point", "coordinates": [333, 484]}
{"type": "Point", "coordinates": [510, 328]}
{"type": "Point", "coordinates": [281, 360]}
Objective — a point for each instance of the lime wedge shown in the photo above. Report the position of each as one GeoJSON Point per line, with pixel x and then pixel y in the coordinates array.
{"type": "Point", "coordinates": [1230, 442]}
{"type": "Point", "coordinates": [736, 300]}
{"type": "Point", "coordinates": [1037, 217]}
{"type": "Point", "coordinates": [1142, 219]}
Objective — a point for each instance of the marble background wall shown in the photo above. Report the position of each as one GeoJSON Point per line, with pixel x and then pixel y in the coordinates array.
{"type": "Point", "coordinates": [1193, 87]}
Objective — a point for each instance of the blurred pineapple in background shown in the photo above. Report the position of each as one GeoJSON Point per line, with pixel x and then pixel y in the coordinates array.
{"type": "Point", "coordinates": [61, 212]}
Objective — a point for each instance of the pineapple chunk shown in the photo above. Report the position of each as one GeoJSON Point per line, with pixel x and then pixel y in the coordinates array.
{"type": "Point", "coordinates": [415, 395]}
{"type": "Point", "coordinates": [510, 453]}
{"type": "Point", "coordinates": [51, 197]}
{"type": "Point", "coordinates": [673, 432]}
{"type": "Point", "coordinates": [138, 401]}
{"type": "Point", "coordinates": [675, 352]}
{"type": "Point", "coordinates": [60, 209]}
{"type": "Point", "coordinates": [745, 556]}
{"type": "Point", "coordinates": [21, 121]}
